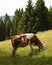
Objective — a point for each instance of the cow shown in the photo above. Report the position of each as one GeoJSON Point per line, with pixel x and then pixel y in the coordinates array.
{"type": "Point", "coordinates": [23, 40]}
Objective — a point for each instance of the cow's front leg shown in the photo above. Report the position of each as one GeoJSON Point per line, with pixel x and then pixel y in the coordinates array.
{"type": "Point", "coordinates": [31, 46]}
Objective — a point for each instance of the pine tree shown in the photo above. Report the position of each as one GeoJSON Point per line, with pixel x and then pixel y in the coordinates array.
{"type": "Point", "coordinates": [29, 14]}
{"type": "Point", "coordinates": [2, 30]}
{"type": "Point", "coordinates": [22, 24]}
{"type": "Point", "coordinates": [50, 17]}
{"type": "Point", "coordinates": [17, 16]}
{"type": "Point", "coordinates": [7, 26]}
{"type": "Point", "coordinates": [41, 18]}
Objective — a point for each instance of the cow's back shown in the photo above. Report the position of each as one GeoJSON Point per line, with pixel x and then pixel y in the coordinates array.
{"type": "Point", "coordinates": [28, 35]}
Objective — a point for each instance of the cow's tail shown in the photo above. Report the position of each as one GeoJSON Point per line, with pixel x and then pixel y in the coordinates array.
{"type": "Point", "coordinates": [12, 41]}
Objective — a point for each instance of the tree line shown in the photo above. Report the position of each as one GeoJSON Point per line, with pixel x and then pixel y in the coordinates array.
{"type": "Point", "coordinates": [35, 18]}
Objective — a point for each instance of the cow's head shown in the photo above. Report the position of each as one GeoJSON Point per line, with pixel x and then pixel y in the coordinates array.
{"type": "Point", "coordinates": [41, 47]}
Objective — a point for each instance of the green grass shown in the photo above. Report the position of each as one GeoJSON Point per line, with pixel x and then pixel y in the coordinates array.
{"type": "Point", "coordinates": [24, 55]}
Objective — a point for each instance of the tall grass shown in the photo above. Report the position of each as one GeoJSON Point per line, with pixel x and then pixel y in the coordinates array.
{"type": "Point", "coordinates": [25, 56]}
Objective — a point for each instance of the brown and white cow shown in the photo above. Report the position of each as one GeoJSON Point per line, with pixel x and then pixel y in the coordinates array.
{"type": "Point", "coordinates": [23, 40]}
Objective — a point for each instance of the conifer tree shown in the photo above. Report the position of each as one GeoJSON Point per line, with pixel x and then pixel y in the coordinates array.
{"type": "Point", "coordinates": [2, 30]}
{"type": "Point", "coordinates": [42, 19]}
{"type": "Point", "coordinates": [17, 16]}
{"type": "Point", "coordinates": [29, 14]}
{"type": "Point", "coordinates": [7, 26]}
{"type": "Point", "coordinates": [50, 18]}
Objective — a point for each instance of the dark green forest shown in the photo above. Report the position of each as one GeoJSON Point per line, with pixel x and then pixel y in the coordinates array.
{"type": "Point", "coordinates": [36, 17]}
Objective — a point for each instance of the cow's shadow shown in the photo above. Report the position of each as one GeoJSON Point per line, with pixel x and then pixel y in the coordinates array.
{"type": "Point", "coordinates": [34, 52]}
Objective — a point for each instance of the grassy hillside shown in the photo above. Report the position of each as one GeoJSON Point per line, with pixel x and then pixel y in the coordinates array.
{"type": "Point", "coordinates": [25, 56]}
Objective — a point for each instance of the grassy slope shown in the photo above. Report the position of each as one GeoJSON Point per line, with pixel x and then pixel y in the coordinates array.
{"type": "Point", "coordinates": [25, 56]}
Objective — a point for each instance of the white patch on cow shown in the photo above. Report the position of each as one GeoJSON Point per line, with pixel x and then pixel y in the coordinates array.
{"type": "Point", "coordinates": [22, 39]}
{"type": "Point", "coordinates": [29, 35]}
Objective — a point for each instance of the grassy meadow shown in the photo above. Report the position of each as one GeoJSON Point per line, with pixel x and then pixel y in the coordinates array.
{"type": "Point", "coordinates": [24, 55]}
